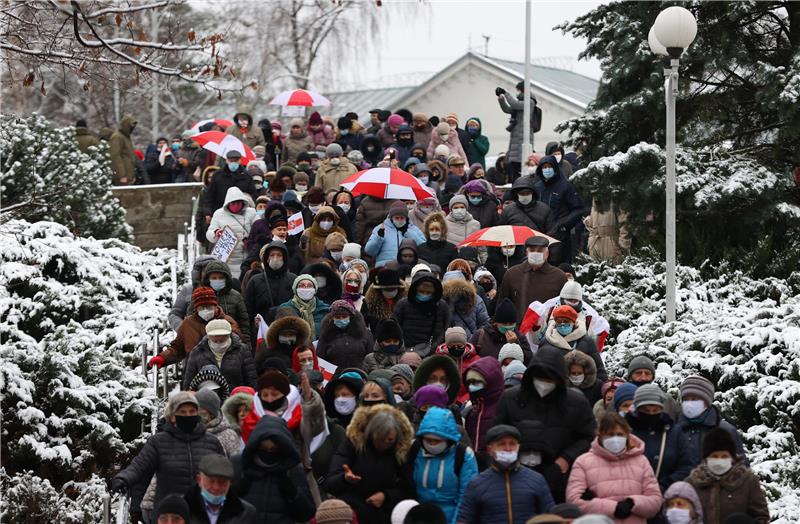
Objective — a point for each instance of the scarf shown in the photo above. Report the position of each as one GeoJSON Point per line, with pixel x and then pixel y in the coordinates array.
{"type": "Point", "coordinates": [306, 310]}
{"type": "Point", "coordinates": [560, 341]}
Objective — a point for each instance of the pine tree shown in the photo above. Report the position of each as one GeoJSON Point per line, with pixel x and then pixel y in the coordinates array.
{"type": "Point", "coordinates": [738, 123]}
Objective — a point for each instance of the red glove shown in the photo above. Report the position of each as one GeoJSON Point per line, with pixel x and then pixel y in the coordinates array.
{"type": "Point", "coordinates": [157, 361]}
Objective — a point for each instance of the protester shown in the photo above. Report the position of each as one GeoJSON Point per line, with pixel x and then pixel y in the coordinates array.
{"type": "Point", "coordinates": [217, 276]}
{"type": "Point", "coordinates": [120, 151]}
{"type": "Point", "coordinates": [344, 339]}
{"type": "Point", "coordinates": [224, 349]}
{"type": "Point", "coordinates": [306, 305]}
{"type": "Point", "coordinates": [423, 316]}
{"type": "Point", "coordinates": [385, 240]}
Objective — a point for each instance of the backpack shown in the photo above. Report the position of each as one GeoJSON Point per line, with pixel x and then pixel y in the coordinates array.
{"type": "Point", "coordinates": [461, 451]}
{"type": "Point", "coordinates": [536, 118]}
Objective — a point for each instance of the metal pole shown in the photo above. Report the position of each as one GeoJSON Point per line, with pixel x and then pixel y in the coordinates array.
{"type": "Point", "coordinates": [526, 93]}
{"type": "Point", "coordinates": [106, 509]}
{"type": "Point", "coordinates": [671, 90]}
{"type": "Point", "coordinates": [154, 418]}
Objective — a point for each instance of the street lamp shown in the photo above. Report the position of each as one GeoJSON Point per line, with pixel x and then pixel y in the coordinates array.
{"type": "Point", "coordinates": [673, 31]}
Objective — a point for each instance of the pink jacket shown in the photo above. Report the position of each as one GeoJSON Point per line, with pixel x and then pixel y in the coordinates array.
{"type": "Point", "coordinates": [613, 478]}
{"type": "Point", "coordinates": [453, 143]}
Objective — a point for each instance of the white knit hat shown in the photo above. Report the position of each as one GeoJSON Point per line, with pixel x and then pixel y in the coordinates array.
{"type": "Point", "coordinates": [351, 249]}
{"type": "Point", "coordinates": [401, 510]}
{"type": "Point", "coordinates": [572, 291]}
{"type": "Point", "coordinates": [511, 351]}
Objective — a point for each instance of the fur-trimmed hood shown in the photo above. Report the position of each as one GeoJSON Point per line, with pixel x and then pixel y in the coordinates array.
{"type": "Point", "coordinates": [357, 435]}
{"type": "Point", "coordinates": [377, 305]}
{"type": "Point", "coordinates": [230, 409]}
{"type": "Point", "coordinates": [460, 291]}
{"type": "Point", "coordinates": [288, 322]}
{"type": "Point", "coordinates": [436, 216]}
{"type": "Point", "coordinates": [589, 367]}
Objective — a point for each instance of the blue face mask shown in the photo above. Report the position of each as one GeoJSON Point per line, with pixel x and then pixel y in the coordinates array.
{"type": "Point", "coordinates": [214, 500]}
{"type": "Point", "coordinates": [475, 200]}
{"type": "Point", "coordinates": [341, 323]}
{"type": "Point", "coordinates": [260, 212]}
{"type": "Point", "coordinates": [424, 298]}
{"type": "Point", "coordinates": [474, 388]}
{"type": "Point", "coordinates": [233, 166]}
{"type": "Point", "coordinates": [344, 132]}
{"type": "Point", "coordinates": [548, 172]}
{"type": "Point", "coordinates": [175, 147]}
{"type": "Point", "coordinates": [564, 329]}
{"type": "Point", "coordinates": [265, 184]}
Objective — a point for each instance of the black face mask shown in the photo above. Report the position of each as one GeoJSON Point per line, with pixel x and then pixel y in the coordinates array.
{"type": "Point", "coordinates": [269, 458]}
{"type": "Point", "coordinates": [487, 286]}
{"type": "Point", "coordinates": [649, 420]}
{"type": "Point", "coordinates": [273, 406]}
{"type": "Point", "coordinates": [391, 349]}
{"type": "Point", "coordinates": [577, 307]}
{"type": "Point", "coordinates": [456, 352]}
{"type": "Point", "coordinates": [186, 423]}
{"type": "Point", "coordinates": [367, 403]}
{"type": "Point", "coordinates": [419, 155]}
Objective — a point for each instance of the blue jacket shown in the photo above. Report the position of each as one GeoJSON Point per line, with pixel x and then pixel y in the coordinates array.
{"type": "Point", "coordinates": [487, 498]}
{"type": "Point", "coordinates": [562, 197]}
{"type": "Point", "coordinates": [695, 431]}
{"type": "Point", "coordinates": [319, 313]}
{"type": "Point", "coordinates": [677, 463]}
{"type": "Point", "coordinates": [384, 248]}
{"type": "Point", "coordinates": [434, 475]}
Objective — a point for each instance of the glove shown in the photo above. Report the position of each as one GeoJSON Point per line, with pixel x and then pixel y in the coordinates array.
{"type": "Point", "coordinates": [380, 232]}
{"type": "Point", "coordinates": [588, 495]}
{"type": "Point", "coordinates": [624, 509]}
{"type": "Point", "coordinates": [118, 485]}
{"type": "Point", "coordinates": [287, 487]}
{"type": "Point", "coordinates": [499, 91]}
{"type": "Point", "coordinates": [157, 361]}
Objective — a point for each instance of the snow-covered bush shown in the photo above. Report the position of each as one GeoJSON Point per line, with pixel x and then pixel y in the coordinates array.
{"type": "Point", "coordinates": [39, 159]}
{"type": "Point", "coordinates": [75, 314]}
{"type": "Point", "coordinates": [741, 333]}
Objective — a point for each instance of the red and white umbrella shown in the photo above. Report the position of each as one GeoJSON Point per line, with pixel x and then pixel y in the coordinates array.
{"type": "Point", "coordinates": [388, 183]}
{"type": "Point", "coordinates": [499, 236]}
{"type": "Point", "coordinates": [300, 97]}
{"type": "Point", "coordinates": [220, 143]}
{"type": "Point", "coordinates": [221, 122]}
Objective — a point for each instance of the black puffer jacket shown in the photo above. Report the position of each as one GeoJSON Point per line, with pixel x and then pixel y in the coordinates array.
{"type": "Point", "coordinates": [535, 215]}
{"type": "Point", "coordinates": [439, 252]}
{"type": "Point", "coordinates": [423, 321]}
{"type": "Point", "coordinates": [269, 287]}
{"type": "Point", "coordinates": [333, 282]}
{"type": "Point", "coordinates": [174, 457]}
{"type": "Point", "coordinates": [344, 347]}
{"type": "Point", "coordinates": [279, 491]}
{"type": "Point", "coordinates": [486, 211]}
{"type": "Point", "coordinates": [237, 365]}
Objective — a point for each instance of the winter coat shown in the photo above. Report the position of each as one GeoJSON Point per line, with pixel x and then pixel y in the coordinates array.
{"type": "Point", "coordinates": [322, 458]}
{"type": "Point", "coordinates": [560, 425]}
{"type": "Point", "coordinates": [252, 136]}
{"type": "Point", "coordinates": [85, 139]}
{"type": "Point", "coordinates": [523, 284]}
{"type": "Point", "coordinates": [378, 307]}
{"type": "Point", "coordinates": [422, 137]}
{"type": "Point", "coordinates": [516, 108]}
{"type": "Point", "coordinates": [452, 142]}
{"type": "Point", "coordinates": [333, 283]}
{"type": "Point", "coordinates": [385, 136]}
{"type": "Point", "coordinates": [321, 137]}
{"type": "Point", "coordinates": [321, 310]}
{"type": "Point", "coordinates": [190, 332]}
{"type": "Point", "coordinates": [479, 145]}
{"type": "Point", "coordinates": [435, 476]}
{"type": "Point", "coordinates": [120, 150]}
{"type": "Point", "coordinates": [438, 252]}
{"type": "Point", "coordinates": [313, 238]}
{"type": "Point", "coordinates": [371, 212]}
{"type": "Point", "coordinates": [379, 359]}
{"type": "Point", "coordinates": [738, 491]}
{"type": "Point", "coordinates": [182, 305]}
{"type": "Point", "coordinates": [195, 157]}
{"type": "Point", "coordinates": [609, 239]}
{"type": "Point", "coordinates": [458, 230]}
{"type": "Point", "coordinates": [227, 435]}
{"type": "Point", "coordinates": [237, 364]}
{"type": "Point", "coordinates": [466, 309]}
{"type": "Point", "coordinates": [217, 190]}
{"type": "Point", "coordinates": [579, 340]}
{"type": "Point", "coordinates": [591, 387]}
{"type": "Point", "coordinates": [239, 223]}
{"type": "Point", "coordinates": [269, 487]}
{"type": "Point", "coordinates": [676, 463]}
{"type": "Point", "coordinates": [536, 215]}
{"type": "Point", "coordinates": [330, 176]}
{"type": "Point", "coordinates": [234, 511]}
{"type": "Point", "coordinates": [613, 478]}
{"type": "Point", "coordinates": [505, 496]}
{"type": "Point", "coordinates": [488, 342]}
{"type": "Point", "coordinates": [349, 142]}
{"type": "Point", "coordinates": [374, 156]}
{"type": "Point", "coordinates": [695, 432]}
{"type": "Point", "coordinates": [384, 247]}
{"type": "Point", "coordinates": [346, 348]}
{"type": "Point", "coordinates": [288, 321]}
{"type": "Point", "coordinates": [463, 362]}
{"type": "Point", "coordinates": [229, 299]}
{"type": "Point", "coordinates": [158, 173]}
{"type": "Point", "coordinates": [173, 457]}
{"type": "Point", "coordinates": [386, 472]}
{"type": "Point", "coordinates": [562, 198]}
{"type": "Point", "coordinates": [268, 287]}
{"type": "Point", "coordinates": [423, 323]}
{"type": "Point", "coordinates": [480, 416]}
{"type": "Point", "coordinates": [293, 146]}
{"type": "Point", "coordinates": [485, 212]}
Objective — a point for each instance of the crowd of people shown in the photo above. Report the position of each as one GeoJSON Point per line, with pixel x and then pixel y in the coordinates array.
{"type": "Point", "coordinates": [361, 366]}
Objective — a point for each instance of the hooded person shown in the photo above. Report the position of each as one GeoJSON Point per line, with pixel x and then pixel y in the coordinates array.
{"type": "Point", "coordinates": [436, 249]}
{"type": "Point", "coordinates": [236, 408]}
{"type": "Point", "coordinates": [216, 424]}
{"type": "Point", "coordinates": [120, 150]}
{"type": "Point", "coordinates": [404, 142]}
{"type": "Point", "coordinates": [423, 316]}
{"type": "Point", "coordinates": [232, 174]}
{"type": "Point", "coordinates": [272, 283]}
{"type": "Point", "coordinates": [445, 134]}
{"type": "Point", "coordinates": [481, 202]}
{"type": "Point", "coordinates": [556, 422]}
{"type": "Point", "coordinates": [269, 474]}
{"type": "Point", "coordinates": [371, 150]}
{"type": "Point", "coordinates": [484, 382]}
{"type": "Point", "coordinates": [422, 129]}
{"type": "Point", "coordinates": [306, 305]}
{"type": "Point", "coordinates": [224, 349]}
{"type": "Point", "coordinates": [682, 505]}
{"type": "Point", "coordinates": [287, 332]}
{"type": "Point", "coordinates": [527, 209]}
{"type": "Point", "coordinates": [583, 375]}
{"type": "Point", "coordinates": [479, 143]}
{"type": "Point", "coordinates": [344, 339]}
{"type": "Point", "coordinates": [382, 296]}
{"type": "Point", "coordinates": [467, 310]}
{"type": "Point", "coordinates": [490, 339]}
{"type": "Point", "coordinates": [236, 216]}
{"type": "Point", "coordinates": [385, 240]}
{"type": "Point", "coordinates": [565, 333]}
{"type": "Point", "coordinates": [407, 253]}
{"type": "Point", "coordinates": [329, 284]}
{"type": "Point", "coordinates": [342, 394]}
{"type": "Point", "coordinates": [556, 150]}
{"type": "Point", "coordinates": [388, 347]}
{"type": "Point", "coordinates": [558, 193]}
{"type": "Point", "coordinates": [325, 223]}
{"type": "Point", "coordinates": [460, 223]}
{"type": "Point", "coordinates": [463, 353]}
{"type": "Point", "coordinates": [369, 471]}
{"type": "Point", "coordinates": [217, 276]}
{"type": "Point", "coordinates": [320, 132]}
{"type": "Point", "coordinates": [296, 143]}
{"type": "Point", "coordinates": [442, 374]}
{"type": "Point", "coordinates": [183, 303]}
{"type": "Point", "coordinates": [243, 129]}
{"type": "Point", "coordinates": [486, 283]}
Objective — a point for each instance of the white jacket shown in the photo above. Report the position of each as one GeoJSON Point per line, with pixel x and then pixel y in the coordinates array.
{"type": "Point", "coordinates": [239, 223]}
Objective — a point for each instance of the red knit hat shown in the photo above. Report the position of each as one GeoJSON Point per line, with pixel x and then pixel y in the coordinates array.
{"type": "Point", "coordinates": [315, 119]}
{"type": "Point", "coordinates": [565, 312]}
{"type": "Point", "coordinates": [204, 296]}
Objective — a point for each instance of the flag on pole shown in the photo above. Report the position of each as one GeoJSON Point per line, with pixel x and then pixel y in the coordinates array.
{"type": "Point", "coordinates": [537, 311]}
{"type": "Point", "coordinates": [328, 370]}
{"type": "Point", "coordinates": [296, 225]}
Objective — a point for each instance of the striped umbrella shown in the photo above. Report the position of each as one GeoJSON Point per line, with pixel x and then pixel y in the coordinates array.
{"type": "Point", "coordinates": [221, 122]}
{"type": "Point", "coordinates": [220, 143]}
{"type": "Point", "coordinates": [388, 183]}
{"type": "Point", "coordinates": [300, 97]}
{"type": "Point", "coordinates": [499, 236]}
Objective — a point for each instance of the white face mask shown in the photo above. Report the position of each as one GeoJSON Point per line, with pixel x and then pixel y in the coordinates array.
{"type": "Point", "coordinates": [576, 380]}
{"type": "Point", "coordinates": [336, 161]}
{"type": "Point", "coordinates": [525, 199]}
{"type": "Point", "coordinates": [306, 293]}
{"type": "Point", "coordinates": [206, 313]}
{"type": "Point", "coordinates": [389, 293]}
{"type": "Point", "coordinates": [536, 258]}
{"type": "Point", "coordinates": [278, 239]}
{"type": "Point", "coordinates": [543, 388]}
{"type": "Point", "coordinates": [435, 235]}
{"type": "Point", "coordinates": [557, 156]}
{"type": "Point", "coordinates": [508, 251]}
{"type": "Point", "coordinates": [424, 180]}
{"type": "Point", "coordinates": [219, 347]}
{"type": "Point", "coordinates": [719, 466]}
{"type": "Point", "coordinates": [679, 516]}
{"type": "Point", "coordinates": [336, 255]}
{"type": "Point", "coordinates": [344, 207]}
{"type": "Point", "coordinates": [321, 281]}
{"type": "Point", "coordinates": [530, 170]}
{"type": "Point", "coordinates": [344, 405]}
{"type": "Point", "coordinates": [505, 458]}
{"type": "Point", "coordinates": [693, 408]}
{"type": "Point", "coordinates": [326, 224]}
{"type": "Point", "coordinates": [435, 449]}
{"type": "Point", "coordinates": [307, 366]}
{"type": "Point", "coordinates": [243, 123]}
{"type": "Point", "coordinates": [459, 213]}
{"type": "Point", "coordinates": [275, 263]}
{"type": "Point", "coordinates": [301, 188]}
{"type": "Point", "coordinates": [615, 445]}
{"type": "Point", "coordinates": [314, 208]}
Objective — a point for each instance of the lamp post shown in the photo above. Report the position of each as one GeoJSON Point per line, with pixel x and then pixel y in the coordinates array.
{"type": "Point", "coordinates": [526, 90]}
{"type": "Point", "coordinates": [673, 31]}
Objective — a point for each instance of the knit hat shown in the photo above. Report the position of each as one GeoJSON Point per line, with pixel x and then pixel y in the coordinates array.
{"type": "Point", "coordinates": [286, 170]}
{"type": "Point", "coordinates": [274, 378]}
{"type": "Point", "coordinates": [458, 199]}
{"type": "Point", "coordinates": [315, 195]}
{"type": "Point", "coordinates": [412, 161]}
{"type": "Point", "coordinates": [451, 116]}
{"type": "Point", "coordinates": [301, 278]}
{"type": "Point", "coordinates": [387, 278]}
{"type": "Point", "coordinates": [204, 296]}
{"type": "Point", "coordinates": [207, 399]}
{"type": "Point", "coordinates": [443, 129]}
{"type": "Point", "coordinates": [398, 209]}
{"type": "Point", "coordinates": [412, 359]}
{"type": "Point", "coordinates": [431, 395]}
{"type": "Point", "coordinates": [395, 120]}
{"type": "Point", "coordinates": [473, 168]}
{"type": "Point", "coordinates": [259, 150]}
{"type": "Point", "coordinates": [505, 312]}
{"type": "Point", "coordinates": [342, 306]}
{"type": "Point", "coordinates": [335, 241]}
{"type": "Point", "coordinates": [452, 275]}
{"type": "Point", "coordinates": [625, 392]}
{"type": "Point", "coordinates": [211, 378]}
{"type": "Point", "coordinates": [173, 504]}
{"type": "Point", "coordinates": [455, 160]}
{"type": "Point", "coordinates": [351, 249]}
{"type": "Point", "coordinates": [178, 399]}
{"type": "Point", "coordinates": [388, 328]}
{"type": "Point", "coordinates": [218, 326]}
{"type": "Point", "coordinates": [334, 150]}
{"type": "Point", "coordinates": [474, 186]}
{"type": "Point", "coordinates": [514, 368]}
{"type": "Point", "coordinates": [334, 511]}
{"type": "Point", "coordinates": [247, 390]}
{"type": "Point", "coordinates": [403, 371]}
{"type": "Point", "coordinates": [426, 513]}
{"type": "Point", "coordinates": [699, 386]}
{"type": "Point", "coordinates": [297, 122]}
{"type": "Point", "coordinates": [441, 150]}
{"type": "Point", "coordinates": [648, 395]}
{"type": "Point", "coordinates": [641, 362]}
{"type": "Point", "coordinates": [455, 335]}
{"type": "Point", "coordinates": [501, 430]}
{"type": "Point", "coordinates": [401, 510]}
{"type": "Point", "coordinates": [420, 267]}
{"type": "Point", "coordinates": [718, 439]}
{"type": "Point", "coordinates": [565, 312]}
{"type": "Point", "coordinates": [511, 351]}
{"type": "Point", "coordinates": [315, 118]}
{"type": "Point", "coordinates": [355, 157]}
{"type": "Point", "coordinates": [572, 291]}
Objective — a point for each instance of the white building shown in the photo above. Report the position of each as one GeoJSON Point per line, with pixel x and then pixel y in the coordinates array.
{"type": "Point", "coordinates": [466, 87]}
